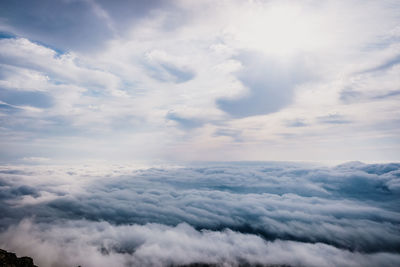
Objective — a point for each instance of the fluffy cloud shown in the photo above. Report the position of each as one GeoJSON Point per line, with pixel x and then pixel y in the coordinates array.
{"type": "Point", "coordinates": [253, 212]}
{"type": "Point", "coordinates": [101, 244]}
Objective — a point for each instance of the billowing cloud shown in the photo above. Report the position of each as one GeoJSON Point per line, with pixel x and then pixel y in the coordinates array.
{"type": "Point", "coordinates": [259, 213]}
{"type": "Point", "coordinates": [101, 244]}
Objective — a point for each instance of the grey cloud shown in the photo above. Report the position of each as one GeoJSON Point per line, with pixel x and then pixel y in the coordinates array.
{"type": "Point", "coordinates": [180, 74]}
{"type": "Point", "coordinates": [349, 95]}
{"type": "Point", "coordinates": [13, 171]}
{"type": "Point", "coordinates": [351, 207]}
{"type": "Point", "coordinates": [28, 98]}
{"type": "Point", "coordinates": [384, 66]}
{"type": "Point", "coordinates": [379, 169]}
{"type": "Point", "coordinates": [16, 192]}
{"type": "Point", "coordinates": [333, 119]}
{"type": "Point", "coordinates": [168, 72]}
{"type": "Point", "coordinates": [185, 123]}
{"type": "Point", "coordinates": [101, 244]}
{"type": "Point", "coordinates": [49, 125]}
{"type": "Point", "coordinates": [8, 109]}
{"type": "Point", "coordinates": [235, 134]}
{"type": "Point", "coordinates": [124, 11]}
{"type": "Point", "coordinates": [296, 123]}
{"type": "Point", "coordinates": [56, 22]}
{"type": "Point", "coordinates": [270, 85]}
{"type": "Point", "coordinates": [386, 95]}
{"type": "Point", "coordinates": [76, 25]}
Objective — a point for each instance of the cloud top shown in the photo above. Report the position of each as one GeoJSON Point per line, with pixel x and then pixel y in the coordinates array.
{"type": "Point", "coordinates": [245, 209]}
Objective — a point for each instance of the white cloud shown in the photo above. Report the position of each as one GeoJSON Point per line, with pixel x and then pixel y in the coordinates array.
{"type": "Point", "coordinates": [101, 244]}
{"type": "Point", "coordinates": [258, 212]}
{"type": "Point", "coordinates": [349, 206]}
{"type": "Point", "coordinates": [186, 58]}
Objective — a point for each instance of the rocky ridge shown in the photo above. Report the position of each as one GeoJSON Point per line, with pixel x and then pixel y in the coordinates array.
{"type": "Point", "coordinates": [8, 259]}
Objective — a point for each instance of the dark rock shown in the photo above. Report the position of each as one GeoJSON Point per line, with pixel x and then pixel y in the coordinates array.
{"type": "Point", "coordinates": [8, 259]}
{"type": "Point", "coordinates": [200, 264]}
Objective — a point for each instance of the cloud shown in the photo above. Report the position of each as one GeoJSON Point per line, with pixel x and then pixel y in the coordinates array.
{"type": "Point", "coordinates": [333, 119]}
{"type": "Point", "coordinates": [35, 99]}
{"type": "Point", "coordinates": [296, 123]}
{"type": "Point", "coordinates": [165, 72]}
{"type": "Point", "coordinates": [386, 65]}
{"type": "Point", "coordinates": [92, 75]}
{"type": "Point", "coordinates": [102, 244]}
{"type": "Point", "coordinates": [186, 123]}
{"type": "Point", "coordinates": [180, 75]}
{"type": "Point", "coordinates": [62, 68]}
{"type": "Point", "coordinates": [270, 85]}
{"type": "Point", "coordinates": [349, 96]}
{"type": "Point", "coordinates": [233, 80]}
{"type": "Point", "coordinates": [167, 68]}
{"type": "Point", "coordinates": [74, 25]}
{"type": "Point", "coordinates": [350, 208]}
{"type": "Point", "coordinates": [234, 134]}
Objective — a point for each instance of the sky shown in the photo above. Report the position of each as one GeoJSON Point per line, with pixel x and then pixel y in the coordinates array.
{"type": "Point", "coordinates": [221, 132]}
{"type": "Point", "coordinates": [205, 80]}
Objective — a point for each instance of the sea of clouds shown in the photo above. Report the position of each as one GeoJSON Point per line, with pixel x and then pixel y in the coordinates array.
{"type": "Point", "coordinates": [228, 214]}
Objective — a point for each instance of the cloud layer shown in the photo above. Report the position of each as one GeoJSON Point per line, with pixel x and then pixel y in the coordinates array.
{"type": "Point", "coordinates": [225, 213]}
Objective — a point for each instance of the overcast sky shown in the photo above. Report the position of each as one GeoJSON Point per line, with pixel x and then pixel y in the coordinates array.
{"type": "Point", "coordinates": [199, 80]}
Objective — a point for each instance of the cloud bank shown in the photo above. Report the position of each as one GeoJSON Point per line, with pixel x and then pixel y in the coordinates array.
{"type": "Point", "coordinates": [216, 213]}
